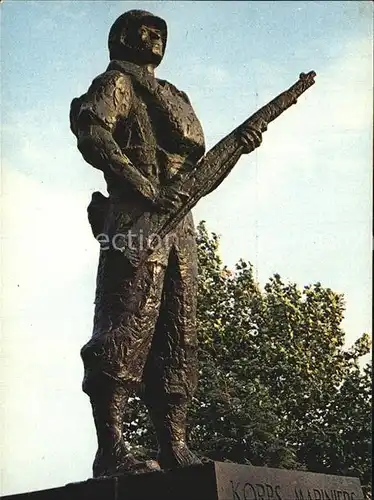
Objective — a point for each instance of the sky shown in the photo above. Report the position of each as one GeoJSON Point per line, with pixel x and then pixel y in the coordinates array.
{"type": "Point", "coordinates": [299, 206]}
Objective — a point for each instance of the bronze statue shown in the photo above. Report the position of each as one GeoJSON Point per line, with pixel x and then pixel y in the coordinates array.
{"type": "Point", "coordinates": [143, 134]}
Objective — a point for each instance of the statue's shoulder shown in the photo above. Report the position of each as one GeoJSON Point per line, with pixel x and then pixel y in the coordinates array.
{"type": "Point", "coordinates": [174, 90]}
{"type": "Point", "coordinates": [109, 80]}
{"type": "Point", "coordinates": [109, 83]}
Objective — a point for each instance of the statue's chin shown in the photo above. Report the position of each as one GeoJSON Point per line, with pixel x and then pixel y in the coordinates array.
{"type": "Point", "coordinates": [156, 58]}
{"type": "Point", "coordinates": [152, 55]}
{"type": "Point", "coordinates": [143, 56]}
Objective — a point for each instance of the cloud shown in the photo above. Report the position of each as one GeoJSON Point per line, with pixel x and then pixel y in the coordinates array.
{"type": "Point", "coordinates": [213, 75]}
{"type": "Point", "coordinates": [46, 240]}
{"type": "Point", "coordinates": [49, 260]}
{"type": "Point", "coordinates": [300, 205]}
{"type": "Point", "coordinates": [327, 119]}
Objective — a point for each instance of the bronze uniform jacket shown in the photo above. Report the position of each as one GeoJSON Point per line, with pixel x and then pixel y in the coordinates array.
{"type": "Point", "coordinates": [151, 121]}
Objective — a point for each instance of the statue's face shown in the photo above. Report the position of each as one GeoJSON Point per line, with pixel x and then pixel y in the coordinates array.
{"type": "Point", "coordinates": [150, 44]}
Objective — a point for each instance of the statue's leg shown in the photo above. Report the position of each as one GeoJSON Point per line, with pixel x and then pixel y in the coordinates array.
{"type": "Point", "coordinates": [108, 406]}
{"type": "Point", "coordinates": [170, 374]}
{"type": "Point", "coordinates": [114, 358]}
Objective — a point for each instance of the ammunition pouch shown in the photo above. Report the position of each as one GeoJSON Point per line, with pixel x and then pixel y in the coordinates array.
{"type": "Point", "coordinates": [97, 212]}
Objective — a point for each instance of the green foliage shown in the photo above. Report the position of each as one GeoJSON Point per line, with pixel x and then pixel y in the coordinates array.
{"type": "Point", "coordinates": [276, 386]}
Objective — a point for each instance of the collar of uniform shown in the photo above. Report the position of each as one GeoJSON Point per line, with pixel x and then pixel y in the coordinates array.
{"type": "Point", "coordinates": [139, 72]}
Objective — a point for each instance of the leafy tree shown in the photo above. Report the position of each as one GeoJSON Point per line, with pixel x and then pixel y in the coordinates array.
{"type": "Point", "coordinates": [276, 386]}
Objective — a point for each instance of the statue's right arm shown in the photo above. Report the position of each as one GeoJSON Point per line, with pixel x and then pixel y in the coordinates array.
{"type": "Point", "coordinates": [108, 99]}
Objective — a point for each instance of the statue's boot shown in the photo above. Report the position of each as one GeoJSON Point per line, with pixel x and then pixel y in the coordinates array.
{"type": "Point", "coordinates": [113, 457]}
{"type": "Point", "coordinates": [169, 421]}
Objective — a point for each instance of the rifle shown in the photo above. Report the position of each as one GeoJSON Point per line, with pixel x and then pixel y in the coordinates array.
{"type": "Point", "coordinates": [208, 173]}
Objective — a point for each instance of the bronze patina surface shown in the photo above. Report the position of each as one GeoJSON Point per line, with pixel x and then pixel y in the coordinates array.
{"type": "Point", "coordinates": [143, 134]}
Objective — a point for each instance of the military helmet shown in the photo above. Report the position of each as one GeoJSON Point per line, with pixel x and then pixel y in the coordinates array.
{"type": "Point", "coordinates": [133, 17]}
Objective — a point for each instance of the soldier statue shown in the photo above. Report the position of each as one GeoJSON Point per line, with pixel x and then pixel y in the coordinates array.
{"type": "Point", "coordinates": [139, 131]}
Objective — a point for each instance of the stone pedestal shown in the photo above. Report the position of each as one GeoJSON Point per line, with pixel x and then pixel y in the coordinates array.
{"type": "Point", "coordinates": [212, 481]}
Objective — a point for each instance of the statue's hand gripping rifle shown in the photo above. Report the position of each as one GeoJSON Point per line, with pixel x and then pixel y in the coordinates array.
{"type": "Point", "coordinates": [208, 173]}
